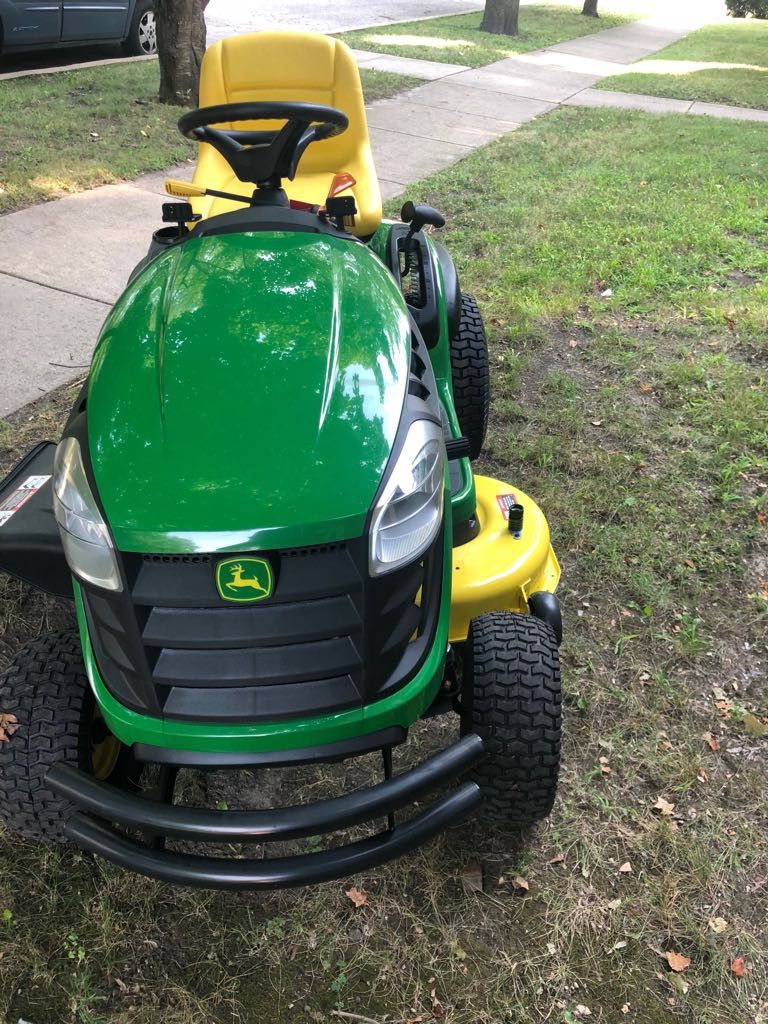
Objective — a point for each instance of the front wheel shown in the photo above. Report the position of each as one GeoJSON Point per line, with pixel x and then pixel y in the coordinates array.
{"type": "Point", "coordinates": [511, 699]}
{"type": "Point", "coordinates": [51, 718]}
{"type": "Point", "coordinates": [142, 35]}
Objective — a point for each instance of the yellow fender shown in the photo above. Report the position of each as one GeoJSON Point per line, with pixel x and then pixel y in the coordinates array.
{"type": "Point", "coordinates": [497, 571]}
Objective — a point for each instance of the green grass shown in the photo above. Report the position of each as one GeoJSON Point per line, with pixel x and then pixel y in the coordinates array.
{"type": "Point", "coordinates": [74, 130]}
{"type": "Point", "coordinates": [639, 420]}
{"type": "Point", "coordinates": [457, 39]}
{"type": "Point", "coordinates": [719, 64]}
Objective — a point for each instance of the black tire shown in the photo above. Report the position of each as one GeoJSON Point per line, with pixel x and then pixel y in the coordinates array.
{"type": "Point", "coordinates": [142, 35]}
{"type": "Point", "coordinates": [47, 690]}
{"type": "Point", "coordinates": [469, 372]}
{"type": "Point", "coordinates": [511, 698]}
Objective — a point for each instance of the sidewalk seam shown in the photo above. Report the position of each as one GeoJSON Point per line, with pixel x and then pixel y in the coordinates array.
{"type": "Point", "coordinates": [55, 288]}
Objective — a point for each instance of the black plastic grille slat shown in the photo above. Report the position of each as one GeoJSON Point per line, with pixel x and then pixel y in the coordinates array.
{"type": "Point", "coordinates": [257, 666]}
{"type": "Point", "coordinates": [252, 625]}
{"type": "Point", "coordinates": [260, 703]}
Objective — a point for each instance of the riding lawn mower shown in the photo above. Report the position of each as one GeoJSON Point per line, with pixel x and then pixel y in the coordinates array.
{"type": "Point", "coordinates": [264, 509]}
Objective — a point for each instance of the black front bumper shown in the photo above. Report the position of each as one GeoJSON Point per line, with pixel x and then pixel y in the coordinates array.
{"type": "Point", "coordinates": [99, 804]}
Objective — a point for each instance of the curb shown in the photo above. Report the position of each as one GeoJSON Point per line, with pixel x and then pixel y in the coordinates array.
{"type": "Point", "coordinates": [75, 67]}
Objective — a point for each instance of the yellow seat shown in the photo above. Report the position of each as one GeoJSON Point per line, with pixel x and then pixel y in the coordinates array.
{"type": "Point", "coordinates": [290, 66]}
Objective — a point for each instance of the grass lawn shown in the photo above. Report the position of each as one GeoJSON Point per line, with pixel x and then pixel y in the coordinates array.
{"type": "Point", "coordinates": [725, 63]}
{"type": "Point", "coordinates": [640, 421]}
{"type": "Point", "coordinates": [73, 130]}
{"type": "Point", "coordinates": [457, 39]}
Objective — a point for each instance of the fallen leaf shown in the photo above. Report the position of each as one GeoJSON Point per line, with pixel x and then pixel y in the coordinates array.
{"type": "Point", "coordinates": [520, 883]}
{"type": "Point", "coordinates": [583, 1011]}
{"type": "Point", "coordinates": [438, 1010]}
{"type": "Point", "coordinates": [754, 727]}
{"type": "Point", "coordinates": [551, 948]}
{"type": "Point", "coordinates": [614, 904]}
{"type": "Point", "coordinates": [572, 343]}
{"type": "Point", "coordinates": [358, 896]}
{"type": "Point", "coordinates": [689, 563]}
{"type": "Point", "coordinates": [8, 726]}
{"type": "Point", "coordinates": [664, 807]}
{"type": "Point", "coordinates": [718, 924]}
{"type": "Point", "coordinates": [626, 868]}
{"type": "Point", "coordinates": [645, 389]}
{"type": "Point", "coordinates": [472, 876]}
{"type": "Point", "coordinates": [739, 967]}
{"type": "Point", "coordinates": [680, 984]}
{"type": "Point", "coordinates": [605, 768]}
{"type": "Point", "coordinates": [559, 858]}
{"type": "Point", "coordinates": [677, 961]}
{"type": "Point", "coordinates": [711, 741]}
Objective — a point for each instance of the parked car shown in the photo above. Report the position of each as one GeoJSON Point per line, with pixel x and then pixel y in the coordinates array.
{"type": "Point", "coordinates": [44, 24]}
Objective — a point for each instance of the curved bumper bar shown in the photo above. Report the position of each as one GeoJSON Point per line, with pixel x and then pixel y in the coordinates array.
{"type": "Point", "coordinates": [285, 823]}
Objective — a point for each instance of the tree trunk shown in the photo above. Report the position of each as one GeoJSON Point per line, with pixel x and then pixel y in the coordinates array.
{"type": "Point", "coordinates": [500, 17]}
{"type": "Point", "coordinates": [590, 8]}
{"type": "Point", "coordinates": [180, 48]}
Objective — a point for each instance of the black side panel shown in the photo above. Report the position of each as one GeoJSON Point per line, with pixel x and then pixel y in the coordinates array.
{"type": "Point", "coordinates": [419, 284]}
{"type": "Point", "coordinates": [452, 287]}
{"type": "Point", "coordinates": [30, 546]}
{"type": "Point", "coordinates": [415, 276]}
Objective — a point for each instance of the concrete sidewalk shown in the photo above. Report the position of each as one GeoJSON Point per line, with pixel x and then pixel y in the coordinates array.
{"type": "Point", "coordinates": [63, 263]}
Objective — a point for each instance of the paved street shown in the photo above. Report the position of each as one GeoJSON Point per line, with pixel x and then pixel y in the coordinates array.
{"type": "Point", "coordinates": [224, 17]}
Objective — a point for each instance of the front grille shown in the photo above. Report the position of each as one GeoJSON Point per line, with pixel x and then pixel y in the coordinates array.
{"type": "Point", "coordinates": [329, 638]}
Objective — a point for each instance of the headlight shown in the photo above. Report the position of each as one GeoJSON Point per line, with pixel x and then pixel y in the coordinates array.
{"type": "Point", "coordinates": [409, 512]}
{"type": "Point", "coordinates": [84, 534]}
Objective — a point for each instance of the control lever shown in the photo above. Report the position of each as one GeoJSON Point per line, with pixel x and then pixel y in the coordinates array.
{"type": "Point", "coordinates": [417, 216]}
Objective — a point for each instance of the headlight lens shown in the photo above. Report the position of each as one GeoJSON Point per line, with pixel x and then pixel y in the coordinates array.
{"type": "Point", "coordinates": [409, 512]}
{"type": "Point", "coordinates": [84, 534]}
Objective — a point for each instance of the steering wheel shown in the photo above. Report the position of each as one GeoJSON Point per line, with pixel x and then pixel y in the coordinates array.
{"type": "Point", "coordinates": [264, 157]}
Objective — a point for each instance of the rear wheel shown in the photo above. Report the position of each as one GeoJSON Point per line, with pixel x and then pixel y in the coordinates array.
{"type": "Point", "coordinates": [142, 35]}
{"type": "Point", "coordinates": [57, 721]}
{"type": "Point", "coordinates": [469, 372]}
{"type": "Point", "coordinates": [511, 698]}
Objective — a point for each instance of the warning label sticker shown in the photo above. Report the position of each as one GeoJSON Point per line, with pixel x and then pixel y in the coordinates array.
{"type": "Point", "coordinates": [10, 505]}
{"type": "Point", "coordinates": [506, 501]}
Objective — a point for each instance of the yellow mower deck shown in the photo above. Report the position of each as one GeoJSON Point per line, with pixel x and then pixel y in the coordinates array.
{"type": "Point", "coordinates": [498, 571]}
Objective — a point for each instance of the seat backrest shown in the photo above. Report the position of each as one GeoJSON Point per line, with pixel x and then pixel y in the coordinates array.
{"type": "Point", "coordinates": [297, 66]}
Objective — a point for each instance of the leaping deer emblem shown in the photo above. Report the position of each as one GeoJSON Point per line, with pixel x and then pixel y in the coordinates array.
{"type": "Point", "coordinates": [239, 581]}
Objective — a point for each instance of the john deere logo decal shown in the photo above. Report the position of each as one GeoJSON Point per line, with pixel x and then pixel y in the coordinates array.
{"type": "Point", "coordinates": [244, 579]}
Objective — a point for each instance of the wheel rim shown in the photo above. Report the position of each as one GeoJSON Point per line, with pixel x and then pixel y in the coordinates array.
{"type": "Point", "coordinates": [105, 748]}
{"type": "Point", "coordinates": [148, 33]}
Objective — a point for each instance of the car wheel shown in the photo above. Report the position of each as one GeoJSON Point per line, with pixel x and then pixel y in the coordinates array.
{"type": "Point", "coordinates": [142, 38]}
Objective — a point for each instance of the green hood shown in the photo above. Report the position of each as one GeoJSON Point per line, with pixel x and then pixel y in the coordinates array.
{"type": "Point", "coordinates": [245, 393]}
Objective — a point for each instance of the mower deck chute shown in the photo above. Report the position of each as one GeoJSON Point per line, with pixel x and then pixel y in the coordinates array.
{"type": "Point", "coordinates": [30, 545]}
